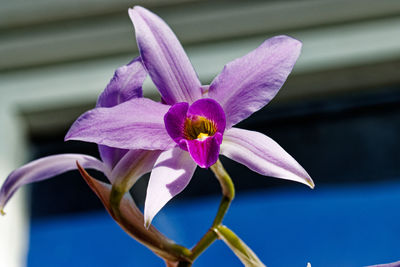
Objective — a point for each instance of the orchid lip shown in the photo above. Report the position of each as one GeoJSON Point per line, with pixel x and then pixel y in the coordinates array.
{"type": "Point", "coordinates": [197, 128]}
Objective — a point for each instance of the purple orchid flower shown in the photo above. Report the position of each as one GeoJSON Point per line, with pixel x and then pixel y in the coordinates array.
{"type": "Point", "coordinates": [194, 123]}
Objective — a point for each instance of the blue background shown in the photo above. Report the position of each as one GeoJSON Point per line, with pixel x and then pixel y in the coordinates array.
{"type": "Point", "coordinates": [352, 225]}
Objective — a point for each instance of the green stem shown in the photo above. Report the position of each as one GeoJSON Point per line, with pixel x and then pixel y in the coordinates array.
{"type": "Point", "coordinates": [228, 193]}
{"type": "Point", "coordinates": [241, 250]}
{"type": "Point", "coordinates": [203, 244]}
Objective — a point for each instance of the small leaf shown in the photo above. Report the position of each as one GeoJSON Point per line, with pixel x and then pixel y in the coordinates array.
{"type": "Point", "coordinates": [241, 250]}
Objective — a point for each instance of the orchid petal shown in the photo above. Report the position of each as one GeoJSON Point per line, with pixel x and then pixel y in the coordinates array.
{"type": "Point", "coordinates": [125, 85]}
{"type": "Point", "coordinates": [42, 169]}
{"type": "Point", "coordinates": [171, 174]}
{"type": "Point", "coordinates": [132, 166]}
{"type": "Point", "coordinates": [263, 155]}
{"type": "Point", "coordinates": [206, 109]}
{"type": "Point", "coordinates": [130, 218]}
{"type": "Point", "coordinates": [248, 83]}
{"type": "Point", "coordinates": [164, 58]}
{"type": "Point", "coordinates": [205, 152]}
{"type": "Point", "coordinates": [175, 119]}
{"type": "Point", "coordinates": [197, 129]}
{"type": "Point", "coordinates": [135, 124]}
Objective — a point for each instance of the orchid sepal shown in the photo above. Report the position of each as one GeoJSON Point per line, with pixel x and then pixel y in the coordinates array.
{"type": "Point", "coordinates": [164, 58]}
{"type": "Point", "coordinates": [263, 155]}
{"type": "Point", "coordinates": [42, 169]}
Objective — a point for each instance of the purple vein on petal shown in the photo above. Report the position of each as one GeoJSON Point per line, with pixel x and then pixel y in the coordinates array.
{"type": "Point", "coordinates": [171, 174]}
{"type": "Point", "coordinates": [45, 168]}
{"type": "Point", "coordinates": [135, 124]}
{"type": "Point", "coordinates": [263, 155]}
{"type": "Point", "coordinates": [248, 83]}
{"type": "Point", "coordinates": [205, 152]}
{"type": "Point", "coordinates": [164, 58]}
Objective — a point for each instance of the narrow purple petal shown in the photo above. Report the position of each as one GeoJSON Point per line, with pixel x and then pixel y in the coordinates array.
{"type": "Point", "coordinates": [263, 155]}
{"type": "Point", "coordinates": [248, 83]}
{"type": "Point", "coordinates": [205, 152]}
{"type": "Point", "coordinates": [164, 58]}
{"type": "Point", "coordinates": [125, 85]}
{"type": "Point", "coordinates": [171, 174]}
{"type": "Point", "coordinates": [42, 169]}
{"type": "Point", "coordinates": [132, 166]}
{"type": "Point", "coordinates": [135, 124]}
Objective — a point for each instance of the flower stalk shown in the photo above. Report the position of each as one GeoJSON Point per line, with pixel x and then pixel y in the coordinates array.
{"type": "Point", "coordinates": [228, 193]}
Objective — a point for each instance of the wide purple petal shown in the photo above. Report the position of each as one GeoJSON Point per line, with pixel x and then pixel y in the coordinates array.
{"type": "Point", "coordinates": [263, 155]}
{"type": "Point", "coordinates": [171, 174]}
{"type": "Point", "coordinates": [205, 152]}
{"type": "Point", "coordinates": [135, 124]}
{"type": "Point", "coordinates": [132, 166]}
{"type": "Point", "coordinates": [42, 169]}
{"type": "Point", "coordinates": [248, 83]}
{"type": "Point", "coordinates": [125, 85]}
{"type": "Point", "coordinates": [164, 58]}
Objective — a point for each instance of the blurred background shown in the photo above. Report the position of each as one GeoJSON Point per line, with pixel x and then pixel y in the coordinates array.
{"type": "Point", "coordinates": [338, 115]}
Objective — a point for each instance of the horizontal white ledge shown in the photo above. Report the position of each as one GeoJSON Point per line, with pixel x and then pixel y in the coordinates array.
{"type": "Point", "coordinates": [323, 49]}
{"type": "Point", "coordinates": [203, 22]}
{"type": "Point", "coordinates": [18, 13]}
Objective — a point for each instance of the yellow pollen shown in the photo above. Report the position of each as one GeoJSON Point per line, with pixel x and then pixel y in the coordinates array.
{"type": "Point", "coordinates": [202, 136]}
{"type": "Point", "coordinates": [199, 128]}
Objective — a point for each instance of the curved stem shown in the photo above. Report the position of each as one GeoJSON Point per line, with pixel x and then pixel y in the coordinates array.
{"type": "Point", "coordinates": [228, 193]}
